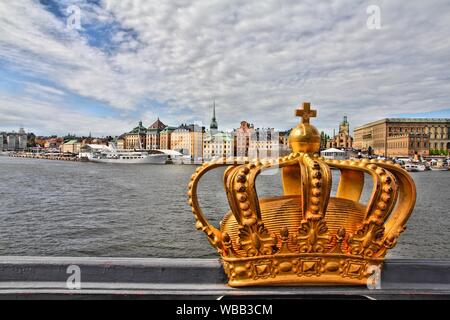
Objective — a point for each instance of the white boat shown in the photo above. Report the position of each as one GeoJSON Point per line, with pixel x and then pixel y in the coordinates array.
{"type": "Point", "coordinates": [132, 157]}
{"type": "Point", "coordinates": [415, 167]}
{"type": "Point", "coordinates": [438, 165]}
{"type": "Point", "coordinates": [186, 159]}
{"type": "Point", "coordinates": [435, 168]}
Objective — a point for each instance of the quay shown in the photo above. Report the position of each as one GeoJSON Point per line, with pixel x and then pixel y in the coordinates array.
{"type": "Point", "coordinates": [152, 278]}
{"type": "Point", "coordinates": [61, 157]}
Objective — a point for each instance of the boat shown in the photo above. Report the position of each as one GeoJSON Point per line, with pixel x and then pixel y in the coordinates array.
{"type": "Point", "coordinates": [182, 159]}
{"type": "Point", "coordinates": [438, 165]}
{"type": "Point", "coordinates": [111, 155]}
{"type": "Point", "coordinates": [415, 167]}
{"type": "Point", "coordinates": [131, 157]}
{"type": "Point", "coordinates": [434, 168]}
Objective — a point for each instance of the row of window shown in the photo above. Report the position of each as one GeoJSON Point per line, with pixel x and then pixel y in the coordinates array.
{"type": "Point", "coordinates": [411, 145]}
{"type": "Point", "coordinates": [424, 130]}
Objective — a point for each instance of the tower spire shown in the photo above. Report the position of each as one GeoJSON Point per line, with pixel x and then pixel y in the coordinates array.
{"type": "Point", "coordinates": [214, 126]}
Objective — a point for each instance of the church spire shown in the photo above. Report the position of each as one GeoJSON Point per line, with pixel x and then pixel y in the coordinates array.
{"type": "Point", "coordinates": [214, 125]}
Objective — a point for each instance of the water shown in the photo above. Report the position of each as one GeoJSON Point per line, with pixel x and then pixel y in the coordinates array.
{"type": "Point", "coordinates": [83, 209]}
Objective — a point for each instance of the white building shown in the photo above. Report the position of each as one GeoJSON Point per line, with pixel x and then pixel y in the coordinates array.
{"type": "Point", "coordinates": [16, 141]}
{"type": "Point", "coordinates": [12, 142]}
{"type": "Point", "coordinates": [218, 145]}
{"type": "Point", "coordinates": [264, 143]}
{"type": "Point", "coordinates": [2, 137]}
{"type": "Point", "coordinates": [22, 139]}
{"type": "Point", "coordinates": [334, 154]}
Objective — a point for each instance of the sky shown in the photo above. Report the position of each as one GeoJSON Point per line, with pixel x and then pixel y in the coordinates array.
{"type": "Point", "coordinates": [78, 66]}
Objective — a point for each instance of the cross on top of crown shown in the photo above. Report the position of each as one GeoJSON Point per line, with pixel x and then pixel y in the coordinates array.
{"type": "Point", "coordinates": [306, 113]}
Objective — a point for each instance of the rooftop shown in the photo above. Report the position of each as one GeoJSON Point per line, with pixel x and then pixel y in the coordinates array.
{"type": "Point", "coordinates": [71, 142]}
{"type": "Point", "coordinates": [140, 129]}
{"type": "Point", "coordinates": [405, 120]}
{"type": "Point", "coordinates": [157, 125]}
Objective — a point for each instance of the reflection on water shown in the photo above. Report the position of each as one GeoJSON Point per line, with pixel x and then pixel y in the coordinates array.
{"type": "Point", "coordinates": [83, 209]}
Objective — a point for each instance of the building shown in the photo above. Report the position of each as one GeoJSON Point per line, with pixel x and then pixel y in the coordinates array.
{"type": "Point", "coordinates": [136, 138]}
{"type": "Point", "coordinates": [408, 145]}
{"type": "Point", "coordinates": [264, 143]}
{"type": "Point", "coordinates": [14, 141]}
{"type": "Point", "coordinates": [260, 143]}
{"type": "Point", "coordinates": [2, 141]}
{"type": "Point", "coordinates": [188, 140]}
{"type": "Point", "coordinates": [71, 146]}
{"type": "Point", "coordinates": [218, 145]}
{"type": "Point", "coordinates": [342, 140]}
{"type": "Point", "coordinates": [153, 141]}
{"type": "Point", "coordinates": [141, 138]}
{"type": "Point", "coordinates": [285, 148]}
{"type": "Point", "coordinates": [53, 143]}
{"type": "Point", "coordinates": [165, 138]}
{"type": "Point", "coordinates": [11, 142]}
{"type": "Point", "coordinates": [22, 138]}
{"type": "Point", "coordinates": [120, 142]}
{"type": "Point", "coordinates": [243, 136]}
{"type": "Point", "coordinates": [418, 134]}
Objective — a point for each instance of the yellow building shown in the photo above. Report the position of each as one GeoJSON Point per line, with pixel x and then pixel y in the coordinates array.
{"type": "Point", "coordinates": [415, 132]}
{"type": "Point", "coordinates": [408, 145]}
{"type": "Point", "coordinates": [165, 138]}
{"type": "Point", "coordinates": [136, 138]}
{"type": "Point", "coordinates": [121, 142]}
{"type": "Point", "coordinates": [188, 140]}
{"type": "Point", "coordinates": [72, 146]}
{"type": "Point", "coordinates": [218, 145]}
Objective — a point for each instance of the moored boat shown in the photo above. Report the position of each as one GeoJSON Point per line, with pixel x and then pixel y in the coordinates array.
{"type": "Point", "coordinates": [435, 168]}
{"type": "Point", "coordinates": [415, 167]}
{"type": "Point", "coordinates": [123, 157]}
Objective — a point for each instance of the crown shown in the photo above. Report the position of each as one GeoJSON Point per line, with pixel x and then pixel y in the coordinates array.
{"type": "Point", "coordinates": [307, 236]}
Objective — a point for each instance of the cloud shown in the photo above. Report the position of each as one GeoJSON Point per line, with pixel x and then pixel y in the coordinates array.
{"type": "Point", "coordinates": [257, 59]}
{"type": "Point", "coordinates": [46, 117]}
{"type": "Point", "coordinates": [38, 89]}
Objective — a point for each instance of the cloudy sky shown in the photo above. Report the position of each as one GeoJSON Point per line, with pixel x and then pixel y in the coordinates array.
{"type": "Point", "coordinates": [132, 60]}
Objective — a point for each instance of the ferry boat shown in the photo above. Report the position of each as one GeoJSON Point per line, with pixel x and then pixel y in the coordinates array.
{"type": "Point", "coordinates": [132, 157]}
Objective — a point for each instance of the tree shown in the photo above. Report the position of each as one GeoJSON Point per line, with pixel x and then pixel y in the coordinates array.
{"type": "Point", "coordinates": [31, 140]}
{"type": "Point", "coordinates": [323, 140]}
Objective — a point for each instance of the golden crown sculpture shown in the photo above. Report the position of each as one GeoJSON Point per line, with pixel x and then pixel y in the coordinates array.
{"type": "Point", "coordinates": [306, 236]}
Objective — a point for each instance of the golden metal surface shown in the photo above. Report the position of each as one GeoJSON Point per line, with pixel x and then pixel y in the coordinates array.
{"type": "Point", "coordinates": [306, 236]}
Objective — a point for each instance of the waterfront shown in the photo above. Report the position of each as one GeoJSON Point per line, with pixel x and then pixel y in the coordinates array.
{"type": "Point", "coordinates": [86, 209]}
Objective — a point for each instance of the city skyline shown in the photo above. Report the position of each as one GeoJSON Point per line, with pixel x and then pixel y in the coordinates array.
{"type": "Point", "coordinates": [138, 60]}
